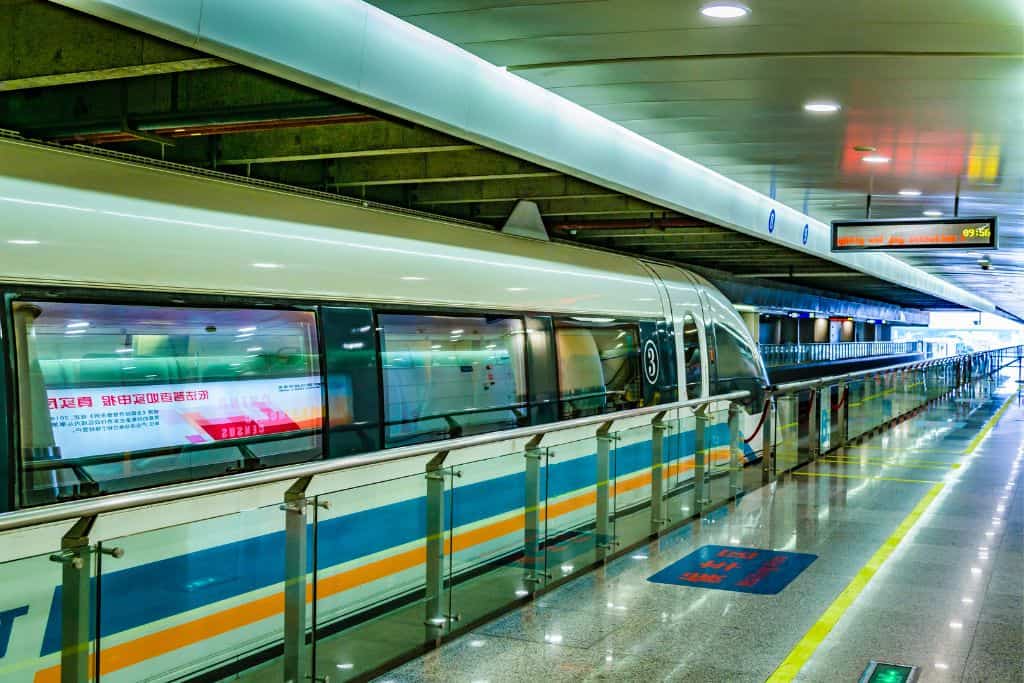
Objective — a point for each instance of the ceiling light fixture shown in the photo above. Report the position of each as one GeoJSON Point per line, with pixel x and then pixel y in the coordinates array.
{"type": "Point", "coordinates": [23, 242]}
{"type": "Point", "coordinates": [724, 10]}
{"type": "Point", "coordinates": [875, 159]}
{"type": "Point", "coordinates": [932, 213]}
{"type": "Point", "coordinates": [267, 265]}
{"type": "Point", "coordinates": [822, 107]}
{"type": "Point", "coordinates": [910, 193]}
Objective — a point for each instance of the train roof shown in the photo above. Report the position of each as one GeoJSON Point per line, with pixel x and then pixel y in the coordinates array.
{"type": "Point", "coordinates": [74, 218]}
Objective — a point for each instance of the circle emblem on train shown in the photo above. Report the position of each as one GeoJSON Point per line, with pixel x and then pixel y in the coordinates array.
{"type": "Point", "coordinates": [807, 232]}
{"type": "Point", "coordinates": [652, 362]}
{"type": "Point", "coordinates": [771, 222]}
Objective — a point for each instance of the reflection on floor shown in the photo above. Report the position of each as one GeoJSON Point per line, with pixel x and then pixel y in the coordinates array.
{"type": "Point", "coordinates": [941, 507]}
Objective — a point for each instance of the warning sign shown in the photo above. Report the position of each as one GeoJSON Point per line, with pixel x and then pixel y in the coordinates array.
{"type": "Point", "coordinates": [746, 570]}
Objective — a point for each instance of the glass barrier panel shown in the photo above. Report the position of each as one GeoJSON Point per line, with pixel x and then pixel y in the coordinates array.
{"type": "Point", "coordinates": [572, 536]}
{"type": "Point", "coordinates": [855, 404]}
{"type": "Point", "coordinates": [197, 599]}
{"type": "Point", "coordinates": [679, 489]}
{"type": "Point", "coordinates": [31, 612]}
{"type": "Point", "coordinates": [787, 432]}
{"type": "Point", "coordinates": [497, 548]}
{"type": "Point", "coordinates": [719, 466]}
{"type": "Point", "coordinates": [374, 602]}
{"type": "Point", "coordinates": [631, 491]}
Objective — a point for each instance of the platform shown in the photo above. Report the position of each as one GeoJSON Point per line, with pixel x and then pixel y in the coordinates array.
{"type": "Point", "coordinates": [918, 535]}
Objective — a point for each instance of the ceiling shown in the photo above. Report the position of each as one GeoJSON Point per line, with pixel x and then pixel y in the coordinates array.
{"type": "Point", "coordinates": [728, 95]}
{"type": "Point", "coordinates": [935, 85]}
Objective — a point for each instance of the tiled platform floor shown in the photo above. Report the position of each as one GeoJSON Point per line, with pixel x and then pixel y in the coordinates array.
{"type": "Point", "coordinates": [948, 599]}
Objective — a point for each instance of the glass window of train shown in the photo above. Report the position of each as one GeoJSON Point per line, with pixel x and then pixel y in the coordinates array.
{"type": "Point", "coordinates": [449, 376]}
{"type": "Point", "coordinates": [598, 368]}
{"type": "Point", "coordinates": [693, 358]}
{"type": "Point", "coordinates": [116, 397]}
{"type": "Point", "coordinates": [735, 358]}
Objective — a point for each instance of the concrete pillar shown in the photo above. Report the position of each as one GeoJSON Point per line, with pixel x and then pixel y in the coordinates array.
{"type": "Point", "coordinates": [821, 330]}
{"type": "Point", "coordinates": [789, 331]}
{"type": "Point", "coordinates": [806, 330]}
{"type": "Point", "coordinates": [753, 321]}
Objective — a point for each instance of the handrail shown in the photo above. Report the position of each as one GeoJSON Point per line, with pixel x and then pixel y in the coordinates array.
{"type": "Point", "coordinates": [790, 387]}
{"type": "Point", "coordinates": [782, 355]}
{"type": "Point", "coordinates": [174, 492]}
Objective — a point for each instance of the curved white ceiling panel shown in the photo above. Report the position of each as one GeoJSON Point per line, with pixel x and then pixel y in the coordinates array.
{"type": "Point", "coordinates": [360, 53]}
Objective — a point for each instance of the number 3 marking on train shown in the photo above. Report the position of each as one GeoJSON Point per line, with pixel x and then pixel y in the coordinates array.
{"type": "Point", "coordinates": [651, 362]}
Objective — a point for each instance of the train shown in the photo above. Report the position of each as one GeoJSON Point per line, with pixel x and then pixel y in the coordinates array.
{"type": "Point", "coordinates": [163, 325]}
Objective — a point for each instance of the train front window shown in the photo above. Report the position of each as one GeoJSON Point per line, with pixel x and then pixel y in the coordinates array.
{"type": "Point", "coordinates": [450, 376]}
{"type": "Point", "coordinates": [116, 397]}
{"type": "Point", "coordinates": [692, 356]}
{"type": "Point", "coordinates": [736, 360]}
{"type": "Point", "coordinates": [598, 367]}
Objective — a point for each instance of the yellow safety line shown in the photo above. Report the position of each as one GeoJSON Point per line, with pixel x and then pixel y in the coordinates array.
{"type": "Point", "coordinates": [888, 463]}
{"type": "Point", "coordinates": [909, 451]}
{"type": "Point", "coordinates": [893, 460]}
{"type": "Point", "coordinates": [807, 646]}
{"type": "Point", "coordinates": [988, 426]}
{"type": "Point", "coordinates": [863, 476]}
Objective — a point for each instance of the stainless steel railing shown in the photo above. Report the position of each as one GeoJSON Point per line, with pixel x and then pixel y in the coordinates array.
{"type": "Point", "coordinates": [801, 421]}
{"type": "Point", "coordinates": [778, 355]}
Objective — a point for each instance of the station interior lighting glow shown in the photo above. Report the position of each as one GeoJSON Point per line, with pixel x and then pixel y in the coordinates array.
{"type": "Point", "coordinates": [875, 159]}
{"type": "Point", "coordinates": [724, 10]}
{"type": "Point", "coordinates": [822, 107]}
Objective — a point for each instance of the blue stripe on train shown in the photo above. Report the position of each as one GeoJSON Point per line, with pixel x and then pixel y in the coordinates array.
{"type": "Point", "coordinates": [161, 589]}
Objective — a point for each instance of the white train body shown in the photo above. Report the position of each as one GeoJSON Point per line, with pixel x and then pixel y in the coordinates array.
{"type": "Point", "coordinates": [200, 594]}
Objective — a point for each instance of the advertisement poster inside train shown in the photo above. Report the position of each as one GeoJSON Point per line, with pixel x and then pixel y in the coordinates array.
{"type": "Point", "coordinates": [100, 421]}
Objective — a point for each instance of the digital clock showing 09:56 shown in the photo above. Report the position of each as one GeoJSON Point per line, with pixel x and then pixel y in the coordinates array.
{"type": "Point", "coordinates": [919, 234]}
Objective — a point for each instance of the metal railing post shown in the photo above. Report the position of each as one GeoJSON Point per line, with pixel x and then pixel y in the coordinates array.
{"type": "Point", "coordinates": [436, 615]}
{"type": "Point", "coordinates": [789, 417]}
{"type": "Point", "coordinates": [768, 432]}
{"type": "Point", "coordinates": [75, 557]}
{"type": "Point", "coordinates": [699, 456]}
{"type": "Point", "coordinates": [843, 415]}
{"type": "Point", "coordinates": [735, 475]}
{"type": "Point", "coordinates": [602, 532]}
{"type": "Point", "coordinates": [533, 564]}
{"type": "Point", "coordinates": [295, 557]}
{"type": "Point", "coordinates": [814, 425]}
{"type": "Point", "coordinates": [658, 429]}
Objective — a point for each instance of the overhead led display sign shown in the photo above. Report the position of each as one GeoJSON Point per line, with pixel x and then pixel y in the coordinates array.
{"type": "Point", "coordinates": [912, 233]}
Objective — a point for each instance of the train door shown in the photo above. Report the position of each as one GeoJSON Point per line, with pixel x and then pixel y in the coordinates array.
{"type": "Point", "coordinates": [688, 327]}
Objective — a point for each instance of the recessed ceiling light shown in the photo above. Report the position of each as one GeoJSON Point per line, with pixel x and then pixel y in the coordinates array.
{"type": "Point", "coordinates": [932, 213]}
{"type": "Point", "coordinates": [267, 265]}
{"type": "Point", "coordinates": [822, 107]}
{"type": "Point", "coordinates": [24, 242]}
{"type": "Point", "coordinates": [412, 278]}
{"type": "Point", "coordinates": [724, 10]}
{"type": "Point", "coordinates": [910, 193]}
{"type": "Point", "coordinates": [875, 159]}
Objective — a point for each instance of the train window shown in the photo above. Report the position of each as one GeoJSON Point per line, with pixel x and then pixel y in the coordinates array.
{"type": "Point", "coordinates": [598, 367]}
{"type": "Point", "coordinates": [693, 358]}
{"type": "Point", "coordinates": [449, 376]}
{"type": "Point", "coordinates": [114, 397]}
{"type": "Point", "coordinates": [735, 359]}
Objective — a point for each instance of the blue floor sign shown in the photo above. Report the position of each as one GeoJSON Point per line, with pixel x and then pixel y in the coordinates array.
{"type": "Point", "coordinates": [746, 570]}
